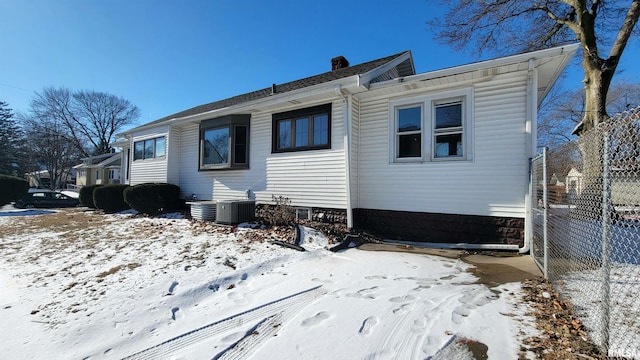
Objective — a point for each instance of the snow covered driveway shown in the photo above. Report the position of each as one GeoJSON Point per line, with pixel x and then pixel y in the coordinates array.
{"type": "Point", "coordinates": [80, 285]}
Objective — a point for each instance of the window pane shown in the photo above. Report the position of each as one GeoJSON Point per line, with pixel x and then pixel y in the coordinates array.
{"type": "Point", "coordinates": [160, 146]}
{"type": "Point", "coordinates": [138, 152]}
{"type": "Point", "coordinates": [284, 134]}
{"type": "Point", "coordinates": [449, 145]}
{"type": "Point", "coordinates": [449, 115]}
{"type": "Point", "coordinates": [409, 119]}
{"type": "Point", "coordinates": [216, 146]}
{"type": "Point", "coordinates": [321, 129]}
{"type": "Point", "coordinates": [409, 146]}
{"type": "Point", "coordinates": [302, 132]}
{"type": "Point", "coordinates": [148, 149]}
{"type": "Point", "coordinates": [240, 149]}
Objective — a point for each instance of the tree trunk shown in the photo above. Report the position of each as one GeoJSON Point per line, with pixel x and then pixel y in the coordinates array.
{"type": "Point", "coordinates": [597, 77]}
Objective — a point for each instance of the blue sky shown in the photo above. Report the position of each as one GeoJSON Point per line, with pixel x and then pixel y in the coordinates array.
{"type": "Point", "coordinates": [166, 56]}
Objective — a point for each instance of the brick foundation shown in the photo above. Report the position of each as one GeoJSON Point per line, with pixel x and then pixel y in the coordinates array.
{"type": "Point", "coordinates": [440, 228]}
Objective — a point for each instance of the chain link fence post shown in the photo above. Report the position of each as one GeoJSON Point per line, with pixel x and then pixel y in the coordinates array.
{"type": "Point", "coordinates": [606, 241]}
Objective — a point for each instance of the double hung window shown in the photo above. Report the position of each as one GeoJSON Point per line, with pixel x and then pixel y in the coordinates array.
{"type": "Point", "coordinates": [432, 128]}
{"type": "Point", "coordinates": [448, 130]}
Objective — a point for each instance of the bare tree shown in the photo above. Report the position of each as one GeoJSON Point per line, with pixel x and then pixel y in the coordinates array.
{"type": "Point", "coordinates": [522, 25]}
{"type": "Point", "coordinates": [51, 148]}
{"type": "Point", "coordinates": [92, 118]}
{"type": "Point", "coordinates": [562, 111]}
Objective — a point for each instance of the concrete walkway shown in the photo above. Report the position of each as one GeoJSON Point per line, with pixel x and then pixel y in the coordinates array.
{"type": "Point", "coordinates": [492, 268]}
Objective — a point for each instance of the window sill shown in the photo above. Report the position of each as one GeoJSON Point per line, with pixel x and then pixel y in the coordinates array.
{"type": "Point", "coordinates": [151, 159]}
{"type": "Point", "coordinates": [224, 168]}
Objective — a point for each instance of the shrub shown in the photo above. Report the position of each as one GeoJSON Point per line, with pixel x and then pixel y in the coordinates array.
{"type": "Point", "coordinates": [153, 198]}
{"type": "Point", "coordinates": [86, 196]}
{"type": "Point", "coordinates": [12, 188]}
{"type": "Point", "coordinates": [110, 198]}
{"type": "Point", "coordinates": [281, 213]}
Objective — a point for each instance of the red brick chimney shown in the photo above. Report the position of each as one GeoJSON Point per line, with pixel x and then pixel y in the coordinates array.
{"type": "Point", "coordinates": [339, 62]}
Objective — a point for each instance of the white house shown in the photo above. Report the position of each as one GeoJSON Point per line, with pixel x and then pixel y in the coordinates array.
{"type": "Point", "coordinates": [404, 155]}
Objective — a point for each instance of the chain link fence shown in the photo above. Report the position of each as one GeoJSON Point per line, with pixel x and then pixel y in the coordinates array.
{"type": "Point", "coordinates": [585, 215]}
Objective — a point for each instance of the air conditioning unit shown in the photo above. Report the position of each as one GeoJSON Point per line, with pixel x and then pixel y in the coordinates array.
{"type": "Point", "coordinates": [235, 211]}
{"type": "Point", "coordinates": [202, 210]}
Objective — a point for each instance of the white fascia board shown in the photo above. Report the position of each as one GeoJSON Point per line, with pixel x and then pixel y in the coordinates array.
{"type": "Point", "coordinates": [327, 87]}
{"type": "Point", "coordinates": [121, 142]}
{"type": "Point", "coordinates": [566, 50]}
{"type": "Point", "coordinates": [365, 79]}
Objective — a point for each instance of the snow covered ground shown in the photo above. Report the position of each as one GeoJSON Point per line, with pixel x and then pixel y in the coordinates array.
{"type": "Point", "coordinates": [80, 285]}
{"type": "Point", "coordinates": [586, 293]}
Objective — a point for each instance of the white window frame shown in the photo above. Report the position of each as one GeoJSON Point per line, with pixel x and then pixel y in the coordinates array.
{"type": "Point", "coordinates": [428, 103]}
{"type": "Point", "coordinates": [155, 155]}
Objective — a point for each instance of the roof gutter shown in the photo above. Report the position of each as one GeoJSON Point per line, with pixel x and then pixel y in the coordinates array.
{"type": "Point", "coordinates": [566, 50]}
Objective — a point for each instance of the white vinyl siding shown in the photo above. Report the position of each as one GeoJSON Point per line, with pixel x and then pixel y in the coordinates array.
{"type": "Point", "coordinates": [494, 183]}
{"type": "Point", "coordinates": [150, 170]}
{"type": "Point", "coordinates": [355, 142]}
{"type": "Point", "coordinates": [314, 178]}
{"type": "Point", "coordinates": [173, 156]}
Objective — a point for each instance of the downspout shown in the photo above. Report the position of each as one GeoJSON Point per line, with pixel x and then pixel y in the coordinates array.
{"type": "Point", "coordinates": [530, 148]}
{"type": "Point", "coordinates": [347, 106]}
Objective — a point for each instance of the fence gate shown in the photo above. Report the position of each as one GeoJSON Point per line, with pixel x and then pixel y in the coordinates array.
{"type": "Point", "coordinates": [538, 191]}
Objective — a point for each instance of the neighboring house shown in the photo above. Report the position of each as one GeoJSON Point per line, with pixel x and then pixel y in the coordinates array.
{"type": "Point", "coordinates": [99, 170]}
{"type": "Point", "coordinates": [624, 181]}
{"type": "Point", "coordinates": [625, 184]}
{"type": "Point", "coordinates": [42, 179]}
{"type": "Point", "coordinates": [406, 156]}
{"type": "Point", "coordinates": [573, 183]}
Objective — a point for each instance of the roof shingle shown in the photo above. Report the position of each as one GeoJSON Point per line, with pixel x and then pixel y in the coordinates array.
{"type": "Point", "coordinates": [282, 88]}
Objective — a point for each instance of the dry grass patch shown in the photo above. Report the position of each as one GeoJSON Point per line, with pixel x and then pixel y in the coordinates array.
{"type": "Point", "coordinates": [67, 220]}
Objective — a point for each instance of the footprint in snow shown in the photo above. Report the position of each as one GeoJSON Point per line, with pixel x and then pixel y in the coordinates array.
{"type": "Point", "coordinates": [172, 288]}
{"type": "Point", "coordinates": [419, 325]}
{"type": "Point", "coordinates": [315, 319]}
{"type": "Point", "coordinates": [214, 287]}
{"type": "Point", "coordinates": [459, 314]}
{"type": "Point", "coordinates": [367, 293]}
{"type": "Point", "coordinates": [324, 281]}
{"type": "Point", "coordinates": [402, 309]}
{"type": "Point", "coordinates": [173, 312]}
{"type": "Point", "coordinates": [375, 277]}
{"type": "Point", "coordinates": [405, 298]}
{"type": "Point", "coordinates": [367, 325]}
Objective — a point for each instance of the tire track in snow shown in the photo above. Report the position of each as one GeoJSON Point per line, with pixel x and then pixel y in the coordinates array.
{"type": "Point", "coordinates": [286, 306]}
{"type": "Point", "coordinates": [396, 343]}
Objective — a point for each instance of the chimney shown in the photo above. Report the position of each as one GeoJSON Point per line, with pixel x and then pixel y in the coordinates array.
{"type": "Point", "coordinates": [339, 62]}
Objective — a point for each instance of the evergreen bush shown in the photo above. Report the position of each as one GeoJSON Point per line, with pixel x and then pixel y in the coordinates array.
{"type": "Point", "coordinates": [12, 188]}
{"type": "Point", "coordinates": [153, 198]}
{"type": "Point", "coordinates": [110, 198]}
{"type": "Point", "coordinates": [86, 196]}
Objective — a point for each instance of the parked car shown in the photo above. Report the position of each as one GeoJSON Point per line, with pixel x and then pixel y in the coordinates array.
{"type": "Point", "coordinates": [46, 199]}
